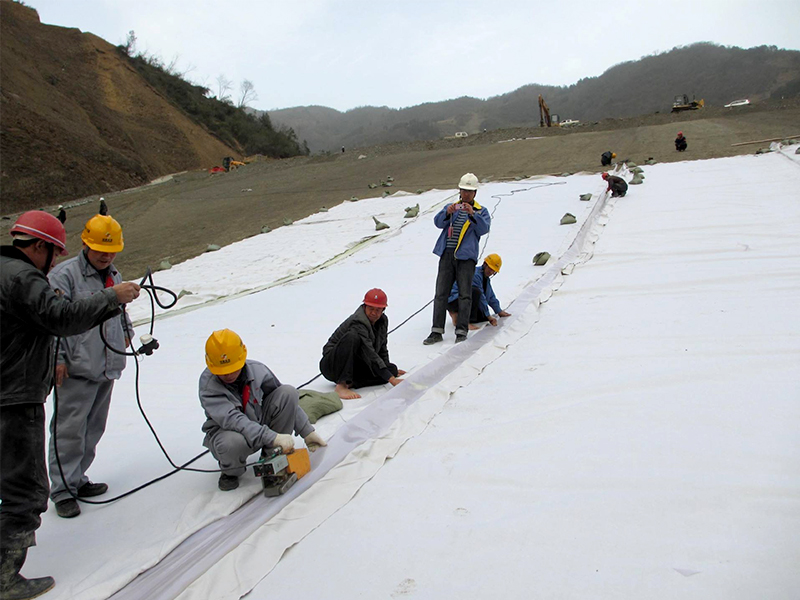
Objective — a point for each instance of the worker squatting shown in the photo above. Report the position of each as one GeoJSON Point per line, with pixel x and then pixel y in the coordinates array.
{"type": "Point", "coordinates": [248, 409]}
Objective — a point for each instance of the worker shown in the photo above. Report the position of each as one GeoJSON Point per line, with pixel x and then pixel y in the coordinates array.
{"type": "Point", "coordinates": [31, 314]}
{"type": "Point", "coordinates": [247, 408]}
{"type": "Point", "coordinates": [482, 295]}
{"type": "Point", "coordinates": [680, 142]}
{"type": "Point", "coordinates": [606, 157]}
{"type": "Point", "coordinates": [616, 185]}
{"type": "Point", "coordinates": [357, 354]}
{"type": "Point", "coordinates": [85, 368]}
{"type": "Point", "coordinates": [462, 224]}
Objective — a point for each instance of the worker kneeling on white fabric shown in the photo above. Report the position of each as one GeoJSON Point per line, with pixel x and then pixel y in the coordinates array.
{"type": "Point", "coordinates": [483, 295]}
{"type": "Point", "coordinates": [247, 408]}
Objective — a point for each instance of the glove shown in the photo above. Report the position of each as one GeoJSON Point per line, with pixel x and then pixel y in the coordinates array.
{"type": "Point", "coordinates": [284, 441]}
{"type": "Point", "coordinates": [314, 441]}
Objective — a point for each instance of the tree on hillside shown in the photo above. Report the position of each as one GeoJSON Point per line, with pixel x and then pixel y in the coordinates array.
{"type": "Point", "coordinates": [224, 85]}
{"type": "Point", "coordinates": [247, 93]}
{"type": "Point", "coordinates": [130, 43]}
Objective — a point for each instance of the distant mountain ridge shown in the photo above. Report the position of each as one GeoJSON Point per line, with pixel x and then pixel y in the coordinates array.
{"type": "Point", "coordinates": [718, 74]}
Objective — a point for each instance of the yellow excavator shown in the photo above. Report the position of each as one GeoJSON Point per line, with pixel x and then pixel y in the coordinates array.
{"type": "Point", "coordinates": [681, 102]}
{"type": "Point", "coordinates": [545, 118]}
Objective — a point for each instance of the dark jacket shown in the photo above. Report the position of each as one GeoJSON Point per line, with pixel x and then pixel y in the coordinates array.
{"type": "Point", "coordinates": [375, 339]}
{"type": "Point", "coordinates": [680, 143]}
{"type": "Point", "coordinates": [31, 314]}
{"type": "Point", "coordinates": [605, 158]}
{"type": "Point", "coordinates": [617, 186]}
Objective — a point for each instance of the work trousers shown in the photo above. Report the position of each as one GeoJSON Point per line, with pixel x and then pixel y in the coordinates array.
{"type": "Point", "coordinates": [453, 270]}
{"type": "Point", "coordinates": [82, 414]}
{"type": "Point", "coordinates": [346, 364]}
{"type": "Point", "coordinates": [476, 314]}
{"type": "Point", "coordinates": [282, 414]}
{"type": "Point", "coordinates": [23, 474]}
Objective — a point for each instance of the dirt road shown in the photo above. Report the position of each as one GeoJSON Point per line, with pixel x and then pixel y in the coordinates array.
{"type": "Point", "coordinates": [177, 219]}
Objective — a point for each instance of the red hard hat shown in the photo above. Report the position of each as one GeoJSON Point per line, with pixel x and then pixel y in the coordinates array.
{"type": "Point", "coordinates": [375, 297]}
{"type": "Point", "coordinates": [44, 226]}
{"type": "Point", "coordinates": [680, 133]}
{"type": "Point", "coordinates": [605, 175]}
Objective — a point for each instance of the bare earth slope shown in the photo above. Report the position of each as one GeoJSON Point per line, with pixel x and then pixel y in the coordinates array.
{"type": "Point", "coordinates": [177, 219]}
{"type": "Point", "coordinates": [77, 119]}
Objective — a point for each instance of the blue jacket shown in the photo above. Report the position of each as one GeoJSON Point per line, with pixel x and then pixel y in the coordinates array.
{"type": "Point", "coordinates": [487, 295]}
{"type": "Point", "coordinates": [476, 226]}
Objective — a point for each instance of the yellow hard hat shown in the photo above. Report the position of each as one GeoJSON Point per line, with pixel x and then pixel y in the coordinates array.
{"type": "Point", "coordinates": [494, 261]}
{"type": "Point", "coordinates": [613, 155]}
{"type": "Point", "coordinates": [104, 234]}
{"type": "Point", "coordinates": [225, 352]}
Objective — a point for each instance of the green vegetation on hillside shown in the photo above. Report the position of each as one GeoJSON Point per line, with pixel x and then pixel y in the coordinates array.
{"type": "Point", "coordinates": [233, 125]}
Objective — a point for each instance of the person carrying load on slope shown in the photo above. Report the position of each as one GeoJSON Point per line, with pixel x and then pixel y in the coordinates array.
{"type": "Point", "coordinates": [616, 185]}
{"type": "Point", "coordinates": [247, 408]}
{"type": "Point", "coordinates": [680, 142]}
{"type": "Point", "coordinates": [605, 158]}
{"type": "Point", "coordinates": [482, 295]}
{"type": "Point", "coordinates": [31, 314]}
{"type": "Point", "coordinates": [357, 353]}
{"type": "Point", "coordinates": [462, 224]}
{"type": "Point", "coordinates": [85, 368]}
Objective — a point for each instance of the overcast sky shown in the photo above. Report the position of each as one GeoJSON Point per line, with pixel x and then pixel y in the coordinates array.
{"type": "Point", "coordinates": [399, 53]}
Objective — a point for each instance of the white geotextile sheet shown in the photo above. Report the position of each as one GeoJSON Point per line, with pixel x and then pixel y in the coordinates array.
{"type": "Point", "coordinates": [285, 253]}
{"type": "Point", "coordinates": [643, 441]}
{"type": "Point", "coordinates": [285, 327]}
{"type": "Point", "coordinates": [361, 445]}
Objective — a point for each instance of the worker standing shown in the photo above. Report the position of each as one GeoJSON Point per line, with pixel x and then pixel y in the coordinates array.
{"type": "Point", "coordinates": [680, 142]}
{"type": "Point", "coordinates": [616, 185]}
{"type": "Point", "coordinates": [247, 408]}
{"type": "Point", "coordinates": [31, 314]}
{"type": "Point", "coordinates": [483, 295]}
{"type": "Point", "coordinates": [607, 157]}
{"type": "Point", "coordinates": [85, 368]}
{"type": "Point", "coordinates": [357, 353]}
{"type": "Point", "coordinates": [462, 224]}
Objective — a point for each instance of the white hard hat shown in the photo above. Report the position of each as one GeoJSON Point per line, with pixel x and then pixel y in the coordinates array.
{"type": "Point", "coordinates": [468, 182]}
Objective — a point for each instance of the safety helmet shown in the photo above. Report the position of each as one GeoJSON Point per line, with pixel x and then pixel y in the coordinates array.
{"type": "Point", "coordinates": [43, 226]}
{"type": "Point", "coordinates": [468, 182]}
{"type": "Point", "coordinates": [494, 261]}
{"type": "Point", "coordinates": [613, 155]}
{"type": "Point", "coordinates": [376, 297]}
{"type": "Point", "coordinates": [605, 175]}
{"type": "Point", "coordinates": [104, 234]}
{"type": "Point", "coordinates": [225, 352]}
{"type": "Point", "coordinates": [680, 133]}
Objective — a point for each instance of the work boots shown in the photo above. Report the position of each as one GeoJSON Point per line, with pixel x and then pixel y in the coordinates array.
{"type": "Point", "coordinates": [89, 489]}
{"type": "Point", "coordinates": [433, 338]}
{"type": "Point", "coordinates": [228, 482]}
{"type": "Point", "coordinates": [14, 586]}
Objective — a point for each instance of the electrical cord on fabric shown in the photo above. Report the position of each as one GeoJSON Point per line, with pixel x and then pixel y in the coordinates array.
{"type": "Point", "coordinates": [147, 348]}
{"type": "Point", "coordinates": [150, 344]}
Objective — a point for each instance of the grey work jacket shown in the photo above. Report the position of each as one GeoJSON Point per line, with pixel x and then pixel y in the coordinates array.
{"type": "Point", "coordinates": [223, 406]}
{"type": "Point", "coordinates": [85, 354]}
{"type": "Point", "coordinates": [31, 314]}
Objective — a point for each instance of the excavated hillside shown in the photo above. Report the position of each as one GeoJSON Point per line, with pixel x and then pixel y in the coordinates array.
{"type": "Point", "coordinates": [76, 119]}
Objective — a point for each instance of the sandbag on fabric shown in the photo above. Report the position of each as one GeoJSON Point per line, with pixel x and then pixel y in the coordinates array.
{"type": "Point", "coordinates": [316, 404]}
{"type": "Point", "coordinates": [637, 170]}
{"type": "Point", "coordinates": [568, 219]}
{"type": "Point", "coordinates": [586, 197]}
{"type": "Point", "coordinates": [541, 258]}
{"type": "Point", "coordinates": [637, 180]}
